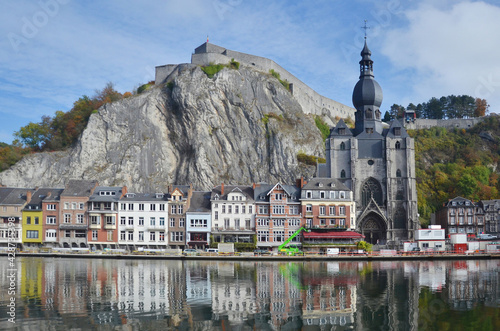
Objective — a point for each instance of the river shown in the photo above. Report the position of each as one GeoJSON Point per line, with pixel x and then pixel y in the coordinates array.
{"type": "Point", "coordinates": [112, 294]}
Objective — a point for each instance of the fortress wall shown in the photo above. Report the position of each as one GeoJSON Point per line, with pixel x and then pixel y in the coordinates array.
{"type": "Point", "coordinates": [311, 101]}
{"type": "Point", "coordinates": [459, 123]}
{"type": "Point", "coordinates": [162, 72]}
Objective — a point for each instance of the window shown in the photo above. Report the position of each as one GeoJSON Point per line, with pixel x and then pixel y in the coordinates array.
{"type": "Point", "coordinates": [322, 221]}
{"type": "Point", "coordinates": [342, 222]}
{"type": "Point", "coordinates": [176, 236]}
{"type": "Point", "coordinates": [130, 220]}
{"type": "Point", "coordinates": [332, 194]}
{"type": "Point", "coordinates": [31, 234]}
{"type": "Point", "coordinates": [152, 207]}
{"type": "Point", "coordinates": [263, 209]}
{"type": "Point", "coordinates": [216, 215]}
{"type": "Point", "coordinates": [50, 234]}
{"type": "Point", "coordinates": [309, 208]}
{"type": "Point", "coordinates": [152, 221]}
{"type": "Point", "coordinates": [226, 223]}
{"type": "Point", "coordinates": [332, 222]}
{"type": "Point", "coordinates": [162, 221]}
{"type": "Point", "coordinates": [28, 220]}
{"type": "Point", "coordinates": [141, 235]}
{"type": "Point", "coordinates": [73, 205]}
{"type": "Point", "coordinates": [180, 208]}
{"type": "Point", "coordinates": [331, 211]}
{"type": "Point", "coordinates": [141, 221]}
{"type": "Point", "coordinates": [398, 173]}
{"type": "Point", "coordinates": [51, 220]}
{"type": "Point", "coordinates": [50, 207]}
{"type": "Point", "coordinates": [94, 234]}
{"type": "Point", "coordinates": [236, 209]}
{"type": "Point", "coordinates": [130, 235]}
{"type": "Point", "coordinates": [95, 220]}
{"type": "Point", "coordinates": [122, 235]}
{"type": "Point", "coordinates": [279, 222]}
{"type": "Point", "coordinates": [250, 209]}
{"type": "Point", "coordinates": [173, 209]}
{"type": "Point", "coordinates": [322, 194]}
{"type": "Point", "coordinates": [79, 218]}
{"type": "Point", "coordinates": [342, 146]}
{"type": "Point", "coordinates": [262, 222]}
{"type": "Point", "coordinates": [162, 207]}
{"type": "Point", "coordinates": [161, 236]}
{"type": "Point", "coordinates": [247, 224]}
{"type": "Point", "coordinates": [67, 218]}
{"type": "Point", "coordinates": [198, 223]}
{"type": "Point", "coordinates": [280, 210]}
{"type": "Point", "coordinates": [223, 209]}
{"type": "Point", "coordinates": [342, 174]}
{"type": "Point", "coordinates": [322, 210]}
{"type": "Point", "coordinates": [237, 223]}
{"type": "Point", "coordinates": [172, 222]}
{"type": "Point", "coordinates": [81, 206]}
{"type": "Point", "coordinates": [66, 205]}
{"type": "Point", "coordinates": [294, 210]}
{"type": "Point", "coordinates": [278, 196]}
{"type": "Point", "coordinates": [229, 209]}
{"type": "Point", "coordinates": [110, 220]}
{"type": "Point", "coordinates": [123, 220]}
{"type": "Point", "coordinates": [123, 206]}
{"type": "Point", "coordinates": [36, 220]}
{"type": "Point", "coordinates": [309, 194]}
{"type": "Point", "coordinates": [182, 222]}
{"type": "Point", "coordinates": [342, 210]}
{"type": "Point", "coordinates": [110, 236]}
{"type": "Point", "coordinates": [152, 236]}
{"type": "Point", "coordinates": [141, 207]}
{"type": "Point", "coordinates": [67, 233]}
{"type": "Point", "coordinates": [397, 132]}
{"type": "Point", "coordinates": [279, 236]}
{"type": "Point", "coordinates": [130, 206]}
{"type": "Point", "coordinates": [263, 236]}
{"type": "Point", "coordinates": [243, 210]}
{"type": "Point", "coordinates": [293, 222]}
{"type": "Point", "coordinates": [341, 130]}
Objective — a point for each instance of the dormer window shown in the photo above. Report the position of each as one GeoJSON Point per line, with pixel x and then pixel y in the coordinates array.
{"type": "Point", "coordinates": [320, 184]}
{"type": "Point", "coordinates": [369, 130]}
{"type": "Point", "coordinates": [342, 131]}
{"type": "Point", "coordinates": [159, 195]}
{"type": "Point", "coordinates": [397, 131]}
{"type": "Point", "coordinates": [309, 194]}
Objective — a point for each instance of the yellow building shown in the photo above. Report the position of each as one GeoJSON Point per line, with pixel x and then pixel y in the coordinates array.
{"type": "Point", "coordinates": [33, 219]}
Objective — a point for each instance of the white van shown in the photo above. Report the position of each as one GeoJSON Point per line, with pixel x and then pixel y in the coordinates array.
{"type": "Point", "coordinates": [332, 251]}
{"type": "Point", "coordinates": [212, 250]}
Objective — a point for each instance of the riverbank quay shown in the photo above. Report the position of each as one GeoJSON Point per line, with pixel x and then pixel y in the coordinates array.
{"type": "Point", "coordinates": [251, 257]}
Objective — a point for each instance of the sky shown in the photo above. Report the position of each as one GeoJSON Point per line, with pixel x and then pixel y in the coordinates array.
{"type": "Point", "coordinates": [52, 52]}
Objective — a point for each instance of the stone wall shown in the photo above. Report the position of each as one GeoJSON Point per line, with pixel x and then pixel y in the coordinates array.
{"type": "Point", "coordinates": [458, 123]}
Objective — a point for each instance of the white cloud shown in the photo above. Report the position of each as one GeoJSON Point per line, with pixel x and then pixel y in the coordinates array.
{"type": "Point", "coordinates": [449, 50]}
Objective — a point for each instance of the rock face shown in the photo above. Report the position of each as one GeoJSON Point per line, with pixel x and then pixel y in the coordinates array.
{"type": "Point", "coordinates": [239, 127]}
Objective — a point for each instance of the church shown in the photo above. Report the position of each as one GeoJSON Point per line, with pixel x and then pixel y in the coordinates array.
{"type": "Point", "coordinates": [376, 161]}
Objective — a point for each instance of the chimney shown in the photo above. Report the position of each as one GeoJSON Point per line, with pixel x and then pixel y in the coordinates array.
{"type": "Point", "coordinates": [254, 185]}
{"type": "Point", "coordinates": [124, 191]}
{"type": "Point", "coordinates": [222, 189]}
{"type": "Point", "coordinates": [301, 182]}
{"type": "Point", "coordinates": [28, 196]}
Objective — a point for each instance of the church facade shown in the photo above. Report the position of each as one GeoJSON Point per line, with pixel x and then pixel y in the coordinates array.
{"type": "Point", "coordinates": [377, 162]}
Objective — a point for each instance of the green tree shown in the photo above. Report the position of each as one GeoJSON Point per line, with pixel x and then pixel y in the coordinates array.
{"type": "Point", "coordinates": [34, 135]}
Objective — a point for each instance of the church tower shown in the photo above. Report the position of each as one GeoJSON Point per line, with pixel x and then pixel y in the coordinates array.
{"type": "Point", "coordinates": [376, 161]}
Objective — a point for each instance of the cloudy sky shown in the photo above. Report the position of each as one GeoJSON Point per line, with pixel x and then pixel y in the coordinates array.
{"type": "Point", "coordinates": [54, 51]}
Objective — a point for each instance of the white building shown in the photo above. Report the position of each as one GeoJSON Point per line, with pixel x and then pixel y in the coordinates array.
{"type": "Point", "coordinates": [199, 221]}
{"type": "Point", "coordinates": [142, 221]}
{"type": "Point", "coordinates": [233, 218]}
{"type": "Point", "coordinates": [431, 238]}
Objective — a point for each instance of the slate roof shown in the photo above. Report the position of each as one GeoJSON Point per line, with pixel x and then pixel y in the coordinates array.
{"type": "Point", "coordinates": [79, 188]}
{"type": "Point", "coordinates": [245, 189]}
{"type": "Point", "coordinates": [183, 188]}
{"type": "Point", "coordinates": [396, 124]}
{"type": "Point", "coordinates": [106, 198]}
{"type": "Point", "coordinates": [261, 192]}
{"type": "Point", "coordinates": [41, 194]}
{"type": "Point", "coordinates": [14, 196]}
{"type": "Point", "coordinates": [131, 197]}
{"type": "Point", "coordinates": [200, 202]}
{"type": "Point", "coordinates": [340, 125]}
{"type": "Point", "coordinates": [459, 202]}
{"type": "Point", "coordinates": [313, 184]}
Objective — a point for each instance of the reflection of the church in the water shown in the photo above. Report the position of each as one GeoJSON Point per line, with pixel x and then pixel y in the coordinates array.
{"type": "Point", "coordinates": [261, 295]}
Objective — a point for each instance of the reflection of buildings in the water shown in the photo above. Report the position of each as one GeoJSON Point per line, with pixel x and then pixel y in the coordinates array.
{"type": "Point", "coordinates": [472, 281]}
{"type": "Point", "coordinates": [233, 296]}
{"type": "Point", "coordinates": [431, 274]}
{"type": "Point", "coordinates": [330, 299]}
{"type": "Point", "coordinates": [386, 298]}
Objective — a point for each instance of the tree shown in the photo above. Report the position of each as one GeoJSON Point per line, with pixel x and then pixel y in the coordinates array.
{"type": "Point", "coordinates": [34, 135]}
{"type": "Point", "coordinates": [396, 111]}
{"type": "Point", "coordinates": [482, 107]}
{"type": "Point", "coordinates": [387, 117]}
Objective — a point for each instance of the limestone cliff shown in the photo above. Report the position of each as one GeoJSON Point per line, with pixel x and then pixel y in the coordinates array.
{"type": "Point", "coordinates": [239, 127]}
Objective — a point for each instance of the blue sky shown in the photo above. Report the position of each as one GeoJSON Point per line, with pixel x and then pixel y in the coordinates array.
{"type": "Point", "coordinates": [54, 51]}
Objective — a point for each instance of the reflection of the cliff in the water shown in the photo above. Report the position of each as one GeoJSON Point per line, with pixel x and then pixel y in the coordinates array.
{"type": "Point", "coordinates": [397, 295]}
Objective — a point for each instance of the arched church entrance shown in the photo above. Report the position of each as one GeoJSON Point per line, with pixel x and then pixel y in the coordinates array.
{"type": "Point", "coordinates": [374, 229]}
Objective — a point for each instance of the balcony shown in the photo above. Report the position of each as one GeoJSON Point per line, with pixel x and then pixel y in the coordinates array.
{"type": "Point", "coordinates": [69, 226]}
{"type": "Point", "coordinates": [109, 226]}
{"type": "Point", "coordinates": [94, 226]}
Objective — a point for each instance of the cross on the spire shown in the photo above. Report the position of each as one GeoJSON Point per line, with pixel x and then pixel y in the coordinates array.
{"type": "Point", "coordinates": [366, 28]}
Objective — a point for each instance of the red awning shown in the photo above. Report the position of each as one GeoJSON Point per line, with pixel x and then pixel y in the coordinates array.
{"type": "Point", "coordinates": [333, 235]}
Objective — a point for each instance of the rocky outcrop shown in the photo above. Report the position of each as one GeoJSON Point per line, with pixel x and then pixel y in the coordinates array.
{"type": "Point", "coordinates": [239, 127]}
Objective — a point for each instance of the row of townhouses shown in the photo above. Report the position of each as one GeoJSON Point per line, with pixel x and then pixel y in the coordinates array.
{"type": "Point", "coordinates": [86, 215]}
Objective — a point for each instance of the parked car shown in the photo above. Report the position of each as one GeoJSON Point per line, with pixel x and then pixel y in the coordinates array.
{"type": "Point", "coordinates": [261, 252]}
{"type": "Point", "coordinates": [212, 250]}
{"type": "Point", "coordinates": [189, 251]}
{"type": "Point", "coordinates": [486, 236]}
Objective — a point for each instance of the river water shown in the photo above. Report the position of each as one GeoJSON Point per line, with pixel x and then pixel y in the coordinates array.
{"type": "Point", "coordinates": [109, 294]}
